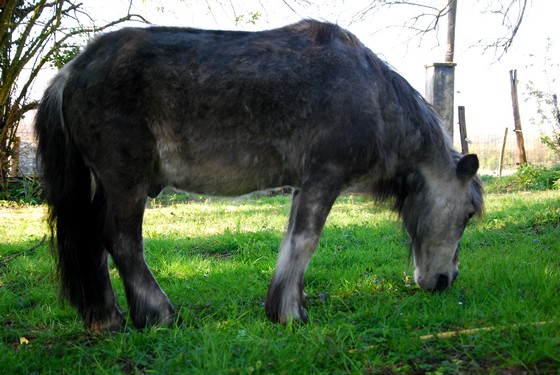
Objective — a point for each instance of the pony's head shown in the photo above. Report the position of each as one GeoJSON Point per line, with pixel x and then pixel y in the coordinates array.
{"type": "Point", "coordinates": [435, 212]}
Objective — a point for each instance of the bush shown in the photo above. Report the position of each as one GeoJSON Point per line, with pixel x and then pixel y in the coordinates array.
{"type": "Point", "coordinates": [26, 190]}
{"type": "Point", "coordinates": [527, 177]}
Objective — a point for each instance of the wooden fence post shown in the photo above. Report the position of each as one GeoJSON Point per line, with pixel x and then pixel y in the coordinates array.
{"type": "Point", "coordinates": [463, 130]}
{"type": "Point", "coordinates": [517, 117]}
{"type": "Point", "coordinates": [502, 153]}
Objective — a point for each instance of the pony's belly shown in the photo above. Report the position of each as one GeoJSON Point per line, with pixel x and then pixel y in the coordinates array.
{"type": "Point", "coordinates": [226, 176]}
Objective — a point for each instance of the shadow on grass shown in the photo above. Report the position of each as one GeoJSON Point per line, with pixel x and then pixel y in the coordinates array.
{"type": "Point", "coordinates": [226, 276]}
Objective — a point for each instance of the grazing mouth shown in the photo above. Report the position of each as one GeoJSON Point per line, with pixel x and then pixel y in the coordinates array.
{"type": "Point", "coordinates": [442, 282]}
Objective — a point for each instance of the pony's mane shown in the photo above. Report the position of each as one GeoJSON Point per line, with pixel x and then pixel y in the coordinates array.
{"type": "Point", "coordinates": [408, 179]}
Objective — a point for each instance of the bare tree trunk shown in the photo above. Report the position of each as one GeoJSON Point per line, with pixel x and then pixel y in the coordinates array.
{"type": "Point", "coordinates": [451, 18]}
{"type": "Point", "coordinates": [517, 117]}
{"type": "Point", "coordinates": [556, 110]}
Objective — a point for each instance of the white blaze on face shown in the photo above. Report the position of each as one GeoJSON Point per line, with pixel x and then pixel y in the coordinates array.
{"type": "Point", "coordinates": [440, 230]}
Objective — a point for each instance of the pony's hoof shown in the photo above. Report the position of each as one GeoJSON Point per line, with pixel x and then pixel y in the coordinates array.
{"type": "Point", "coordinates": [297, 316]}
{"type": "Point", "coordinates": [284, 309]}
{"type": "Point", "coordinates": [162, 316]}
{"type": "Point", "coordinates": [109, 322]}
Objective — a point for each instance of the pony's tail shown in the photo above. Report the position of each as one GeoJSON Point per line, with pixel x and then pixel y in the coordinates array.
{"type": "Point", "coordinates": [75, 215]}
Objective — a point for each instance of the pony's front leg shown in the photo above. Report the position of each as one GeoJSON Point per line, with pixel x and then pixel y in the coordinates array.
{"type": "Point", "coordinates": [285, 300]}
{"type": "Point", "coordinates": [148, 303]}
{"type": "Point", "coordinates": [310, 208]}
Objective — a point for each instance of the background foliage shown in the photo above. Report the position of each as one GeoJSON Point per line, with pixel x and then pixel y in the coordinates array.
{"type": "Point", "coordinates": [34, 33]}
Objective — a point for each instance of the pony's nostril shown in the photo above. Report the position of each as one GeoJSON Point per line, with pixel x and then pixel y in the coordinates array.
{"type": "Point", "coordinates": [442, 282]}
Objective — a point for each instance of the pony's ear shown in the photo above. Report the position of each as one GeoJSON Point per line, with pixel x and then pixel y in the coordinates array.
{"type": "Point", "coordinates": [467, 167]}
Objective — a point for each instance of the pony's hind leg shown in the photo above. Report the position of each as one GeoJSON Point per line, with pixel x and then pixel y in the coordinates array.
{"type": "Point", "coordinates": [310, 208]}
{"type": "Point", "coordinates": [148, 303]}
{"type": "Point", "coordinates": [99, 310]}
{"type": "Point", "coordinates": [84, 270]}
{"type": "Point", "coordinates": [91, 291]}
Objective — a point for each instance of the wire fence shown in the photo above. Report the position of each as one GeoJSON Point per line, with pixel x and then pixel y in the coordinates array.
{"type": "Point", "coordinates": [488, 147]}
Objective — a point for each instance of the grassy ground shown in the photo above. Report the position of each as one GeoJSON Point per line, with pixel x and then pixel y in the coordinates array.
{"type": "Point", "coordinates": [215, 259]}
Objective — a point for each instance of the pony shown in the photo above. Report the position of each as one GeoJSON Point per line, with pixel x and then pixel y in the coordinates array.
{"type": "Point", "coordinates": [227, 113]}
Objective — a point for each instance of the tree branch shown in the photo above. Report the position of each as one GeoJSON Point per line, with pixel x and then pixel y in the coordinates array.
{"type": "Point", "coordinates": [34, 25]}
{"type": "Point", "coordinates": [433, 14]}
{"type": "Point", "coordinates": [10, 257]}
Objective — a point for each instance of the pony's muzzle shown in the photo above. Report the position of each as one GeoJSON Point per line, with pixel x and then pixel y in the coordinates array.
{"type": "Point", "coordinates": [444, 281]}
{"type": "Point", "coordinates": [438, 282]}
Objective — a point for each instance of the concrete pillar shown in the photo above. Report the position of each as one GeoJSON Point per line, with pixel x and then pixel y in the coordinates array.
{"type": "Point", "coordinates": [440, 87]}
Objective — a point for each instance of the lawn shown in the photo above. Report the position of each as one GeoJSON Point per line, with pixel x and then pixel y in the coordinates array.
{"type": "Point", "coordinates": [215, 258]}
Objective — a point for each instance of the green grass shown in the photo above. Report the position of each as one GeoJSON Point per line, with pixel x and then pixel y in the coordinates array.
{"type": "Point", "coordinates": [215, 259]}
